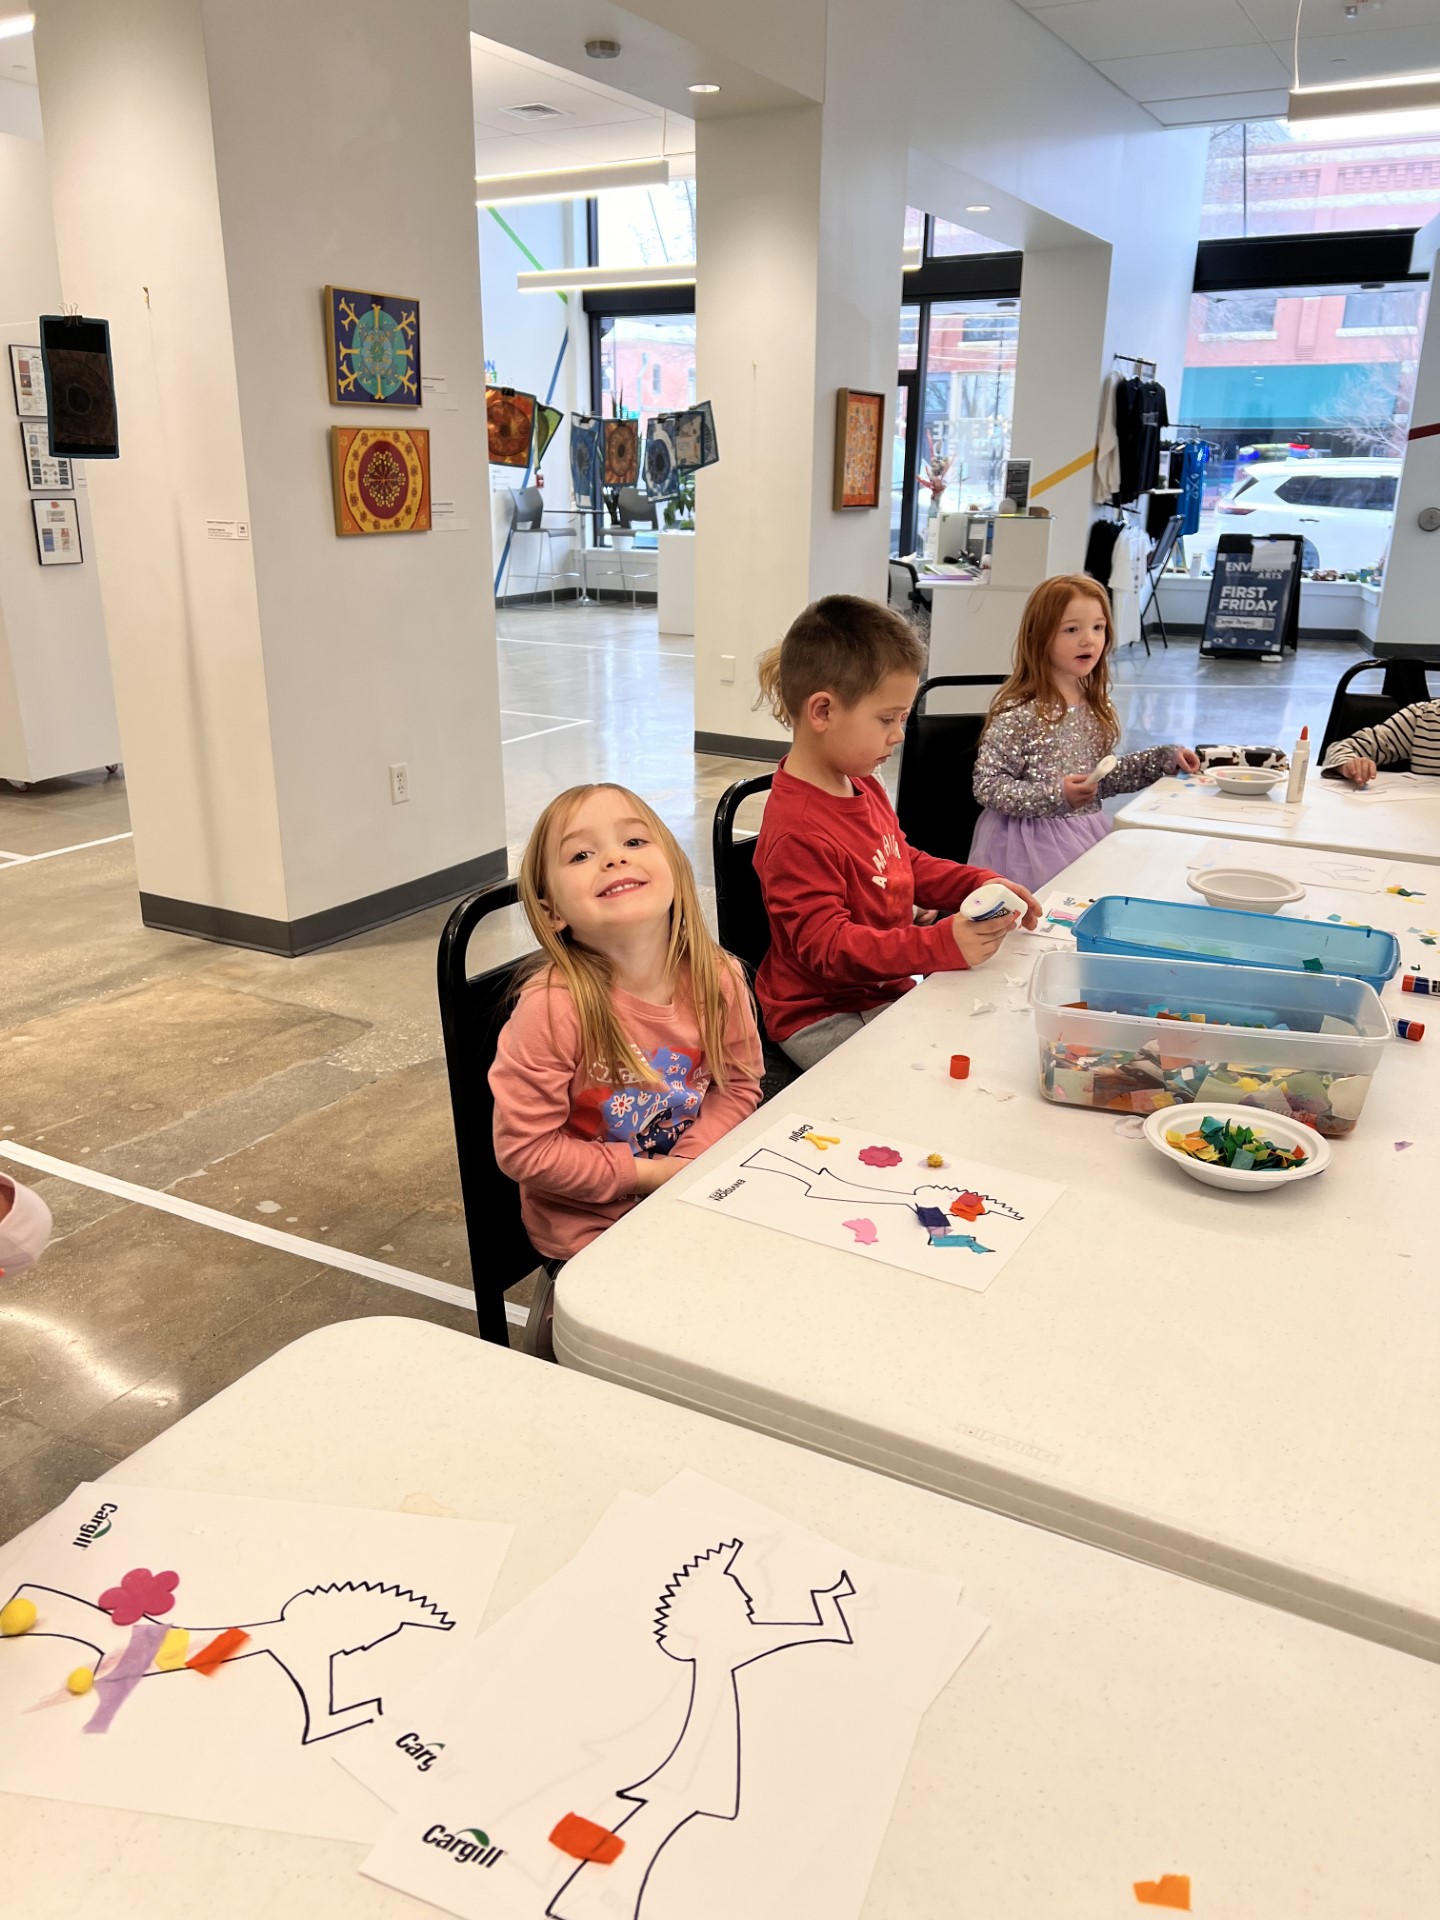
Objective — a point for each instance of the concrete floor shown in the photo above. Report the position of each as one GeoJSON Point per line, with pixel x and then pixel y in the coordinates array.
{"type": "Point", "coordinates": [309, 1095]}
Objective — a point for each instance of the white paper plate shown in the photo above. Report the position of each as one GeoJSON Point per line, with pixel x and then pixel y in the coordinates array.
{"type": "Point", "coordinates": [1270, 1126]}
{"type": "Point", "coordinates": [1245, 782]}
{"type": "Point", "coordinates": [1250, 889]}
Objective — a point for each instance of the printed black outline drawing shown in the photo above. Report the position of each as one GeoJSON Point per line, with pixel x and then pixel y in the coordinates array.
{"type": "Point", "coordinates": [820, 1183]}
{"type": "Point", "coordinates": [304, 1647]}
{"type": "Point", "coordinates": [712, 1716]}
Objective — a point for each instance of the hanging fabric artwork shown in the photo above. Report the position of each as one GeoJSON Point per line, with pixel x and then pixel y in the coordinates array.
{"type": "Point", "coordinates": [510, 421]}
{"type": "Point", "coordinates": [661, 473]}
{"type": "Point", "coordinates": [622, 453]}
{"type": "Point", "coordinates": [695, 443]}
{"type": "Point", "coordinates": [547, 425]}
{"type": "Point", "coordinates": [80, 387]}
{"type": "Point", "coordinates": [585, 433]}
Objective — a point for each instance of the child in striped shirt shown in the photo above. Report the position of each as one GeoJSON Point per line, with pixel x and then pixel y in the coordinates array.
{"type": "Point", "coordinates": [1412, 734]}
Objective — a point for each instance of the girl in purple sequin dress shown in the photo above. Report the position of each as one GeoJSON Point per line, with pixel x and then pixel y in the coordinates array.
{"type": "Point", "coordinates": [1050, 726]}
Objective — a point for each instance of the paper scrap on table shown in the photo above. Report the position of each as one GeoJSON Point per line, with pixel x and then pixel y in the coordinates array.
{"type": "Point", "coordinates": [1394, 786]}
{"type": "Point", "coordinates": [701, 1654]}
{"type": "Point", "coordinates": [778, 1180]}
{"type": "Point", "coordinates": [1344, 872]}
{"type": "Point", "coordinates": [1170, 1890]}
{"type": "Point", "coordinates": [340, 1608]}
{"type": "Point", "coordinates": [1059, 914]}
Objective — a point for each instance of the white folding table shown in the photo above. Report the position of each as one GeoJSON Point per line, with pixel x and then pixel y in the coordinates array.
{"type": "Point", "coordinates": [1115, 1723]}
{"type": "Point", "coordinates": [1331, 815]}
{"type": "Point", "coordinates": [1242, 1387]}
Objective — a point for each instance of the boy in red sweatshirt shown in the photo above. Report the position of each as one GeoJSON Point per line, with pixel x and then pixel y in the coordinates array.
{"type": "Point", "coordinates": [840, 882]}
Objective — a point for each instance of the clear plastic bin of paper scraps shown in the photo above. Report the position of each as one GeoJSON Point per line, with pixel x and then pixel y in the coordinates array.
{"type": "Point", "coordinates": [1134, 1035]}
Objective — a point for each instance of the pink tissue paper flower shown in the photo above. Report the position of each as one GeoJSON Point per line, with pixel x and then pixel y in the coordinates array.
{"type": "Point", "coordinates": [139, 1593]}
{"type": "Point", "coordinates": [879, 1157]}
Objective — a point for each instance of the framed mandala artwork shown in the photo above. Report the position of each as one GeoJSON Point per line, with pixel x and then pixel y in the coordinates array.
{"type": "Point", "coordinates": [382, 479]}
{"type": "Point", "coordinates": [373, 344]}
{"type": "Point", "coordinates": [859, 442]}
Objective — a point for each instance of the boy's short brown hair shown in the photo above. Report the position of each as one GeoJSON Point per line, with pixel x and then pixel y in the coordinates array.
{"type": "Point", "coordinates": [842, 645]}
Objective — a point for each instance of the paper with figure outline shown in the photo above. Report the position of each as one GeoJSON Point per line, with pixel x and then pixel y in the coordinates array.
{"type": "Point", "coordinates": [1388, 786]}
{"type": "Point", "coordinates": [340, 1608]}
{"type": "Point", "coordinates": [733, 1697]}
{"type": "Point", "coordinates": [1310, 866]}
{"type": "Point", "coordinates": [1220, 809]}
{"type": "Point", "coordinates": [960, 1222]}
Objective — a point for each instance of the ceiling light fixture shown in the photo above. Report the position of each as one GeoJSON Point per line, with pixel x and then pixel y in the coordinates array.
{"type": "Point", "coordinates": [16, 25]}
{"type": "Point", "coordinates": [1398, 93]}
{"type": "Point", "coordinates": [603, 49]}
{"type": "Point", "coordinates": [592, 279]}
{"type": "Point", "coordinates": [569, 183]}
{"type": "Point", "coordinates": [979, 207]}
{"type": "Point", "coordinates": [704, 86]}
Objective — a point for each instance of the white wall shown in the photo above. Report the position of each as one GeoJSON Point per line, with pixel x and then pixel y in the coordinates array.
{"type": "Point", "coordinates": [376, 650]}
{"type": "Point", "coordinates": [216, 163]}
{"type": "Point", "coordinates": [1412, 571]}
{"type": "Point", "coordinates": [19, 110]}
{"type": "Point", "coordinates": [57, 707]}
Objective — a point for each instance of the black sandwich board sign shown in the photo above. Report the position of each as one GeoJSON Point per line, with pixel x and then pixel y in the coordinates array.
{"type": "Point", "coordinates": [1254, 603]}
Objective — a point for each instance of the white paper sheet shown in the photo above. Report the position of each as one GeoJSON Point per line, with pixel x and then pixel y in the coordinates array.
{"type": "Point", "coordinates": [1393, 786]}
{"type": "Point", "coordinates": [1341, 872]}
{"type": "Point", "coordinates": [731, 1696]}
{"type": "Point", "coordinates": [861, 1190]}
{"type": "Point", "coordinates": [343, 1607]}
{"type": "Point", "coordinates": [1218, 808]}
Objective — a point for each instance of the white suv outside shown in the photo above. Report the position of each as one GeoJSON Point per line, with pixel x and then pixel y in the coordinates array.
{"type": "Point", "coordinates": [1344, 508]}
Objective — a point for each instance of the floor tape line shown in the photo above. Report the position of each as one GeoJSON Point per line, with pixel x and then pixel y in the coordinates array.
{"type": "Point", "coordinates": [241, 1229]}
{"type": "Point", "coordinates": [564, 727]}
{"type": "Point", "coordinates": [54, 853]}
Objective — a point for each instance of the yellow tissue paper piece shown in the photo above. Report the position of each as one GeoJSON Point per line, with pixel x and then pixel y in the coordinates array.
{"type": "Point", "coordinates": [173, 1649]}
{"type": "Point", "coordinates": [1247, 1085]}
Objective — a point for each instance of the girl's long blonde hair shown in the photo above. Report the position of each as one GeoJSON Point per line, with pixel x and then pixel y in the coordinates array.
{"type": "Point", "coordinates": [694, 962]}
{"type": "Point", "coordinates": [1032, 680]}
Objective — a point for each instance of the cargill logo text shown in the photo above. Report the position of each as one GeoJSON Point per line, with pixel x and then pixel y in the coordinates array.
{"type": "Point", "coordinates": [469, 1847]}
{"type": "Point", "coordinates": [97, 1526]}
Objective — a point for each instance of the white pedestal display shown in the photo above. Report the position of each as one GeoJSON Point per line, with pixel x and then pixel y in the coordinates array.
{"type": "Point", "coordinates": [677, 583]}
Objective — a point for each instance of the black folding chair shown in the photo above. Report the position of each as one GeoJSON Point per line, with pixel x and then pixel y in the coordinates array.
{"type": "Point", "coordinates": [740, 917]}
{"type": "Point", "coordinates": [1404, 683]}
{"type": "Point", "coordinates": [472, 1011]}
{"type": "Point", "coordinates": [935, 800]}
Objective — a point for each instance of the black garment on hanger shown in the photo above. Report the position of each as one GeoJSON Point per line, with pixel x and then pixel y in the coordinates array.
{"type": "Point", "coordinates": [1100, 550]}
{"type": "Point", "coordinates": [1140, 413]}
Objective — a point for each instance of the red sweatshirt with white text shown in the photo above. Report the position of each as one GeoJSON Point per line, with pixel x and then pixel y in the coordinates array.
{"type": "Point", "coordinates": [841, 885]}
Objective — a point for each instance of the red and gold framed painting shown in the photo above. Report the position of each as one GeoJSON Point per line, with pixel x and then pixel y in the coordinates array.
{"type": "Point", "coordinates": [510, 426]}
{"type": "Point", "coordinates": [859, 438]}
{"type": "Point", "coordinates": [622, 453]}
{"type": "Point", "coordinates": [382, 479]}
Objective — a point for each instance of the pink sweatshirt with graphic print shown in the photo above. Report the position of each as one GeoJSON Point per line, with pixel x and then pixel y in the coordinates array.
{"type": "Point", "coordinates": [571, 1141]}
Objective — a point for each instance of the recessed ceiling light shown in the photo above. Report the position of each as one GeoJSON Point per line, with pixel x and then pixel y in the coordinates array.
{"type": "Point", "coordinates": [979, 207]}
{"type": "Point", "coordinates": [16, 25]}
{"type": "Point", "coordinates": [704, 86]}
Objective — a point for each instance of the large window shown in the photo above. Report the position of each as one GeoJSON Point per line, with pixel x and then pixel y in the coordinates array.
{"type": "Point", "coordinates": [969, 398]}
{"type": "Point", "coordinates": [645, 226]}
{"type": "Point", "coordinates": [1308, 415]}
{"type": "Point", "coordinates": [1328, 176]}
{"type": "Point", "coordinates": [647, 364]}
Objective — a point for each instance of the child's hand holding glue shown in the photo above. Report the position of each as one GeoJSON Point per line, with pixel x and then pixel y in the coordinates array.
{"type": "Point", "coordinates": [988, 914]}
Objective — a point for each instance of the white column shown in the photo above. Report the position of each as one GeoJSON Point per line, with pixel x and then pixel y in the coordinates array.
{"type": "Point", "coordinates": [215, 164]}
{"type": "Point", "coordinates": [1412, 572]}
{"type": "Point", "coordinates": [1059, 368]}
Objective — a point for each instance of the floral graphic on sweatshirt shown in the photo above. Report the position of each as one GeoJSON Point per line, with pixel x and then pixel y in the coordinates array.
{"type": "Point", "coordinates": [650, 1120]}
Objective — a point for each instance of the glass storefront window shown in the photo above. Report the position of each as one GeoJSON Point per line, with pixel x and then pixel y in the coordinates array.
{"type": "Point", "coordinates": [968, 402]}
{"type": "Point", "coordinates": [1324, 176]}
{"type": "Point", "coordinates": [914, 227]}
{"type": "Point", "coordinates": [646, 226]}
{"type": "Point", "coordinates": [1304, 395]}
{"type": "Point", "coordinates": [909, 338]}
{"type": "Point", "coordinates": [947, 240]}
{"type": "Point", "coordinates": [647, 364]}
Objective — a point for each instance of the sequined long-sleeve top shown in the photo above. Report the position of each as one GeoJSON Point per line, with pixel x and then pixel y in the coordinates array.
{"type": "Point", "coordinates": [1024, 758]}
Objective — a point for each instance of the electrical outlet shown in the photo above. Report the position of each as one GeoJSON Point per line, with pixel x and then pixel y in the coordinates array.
{"type": "Point", "coordinates": [399, 784]}
{"type": "Point", "coordinates": [727, 669]}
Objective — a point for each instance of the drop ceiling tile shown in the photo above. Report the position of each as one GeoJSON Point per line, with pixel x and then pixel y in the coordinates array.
{"type": "Point", "coordinates": [1372, 56]}
{"type": "Point", "coordinates": [1181, 76]}
{"type": "Point", "coordinates": [1276, 18]}
{"type": "Point", "coordinates": [1217, 109]}
{"type": "Point", "coordinates": [1115, 29]}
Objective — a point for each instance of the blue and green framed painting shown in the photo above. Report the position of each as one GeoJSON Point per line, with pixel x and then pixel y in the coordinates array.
{"type": "Point", "coordinates": [373, 344]}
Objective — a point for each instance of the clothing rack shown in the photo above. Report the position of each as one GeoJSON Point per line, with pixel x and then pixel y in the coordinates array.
{"type": "Point", "coordinates": [1134, 360]}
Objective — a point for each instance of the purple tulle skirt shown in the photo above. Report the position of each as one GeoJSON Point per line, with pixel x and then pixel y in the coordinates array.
{"type": "Point", "coordinates": [1033, 851]}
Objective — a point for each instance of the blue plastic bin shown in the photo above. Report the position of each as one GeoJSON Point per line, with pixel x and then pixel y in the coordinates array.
{"type": "Point", "coordinates": [1172, 930]}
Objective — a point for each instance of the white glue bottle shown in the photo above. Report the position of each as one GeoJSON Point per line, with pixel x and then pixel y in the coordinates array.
{"type": "Point", "coordinates": [1299, 768]}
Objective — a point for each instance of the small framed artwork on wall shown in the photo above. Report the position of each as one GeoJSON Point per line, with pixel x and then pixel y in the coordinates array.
{"type": "Point", "coordinates": [382, 479]}
{"type": "Point", "coordinates": [372, 342]}
{"type": "Point", "coordinates": [27, 377]}
{"type": "Point", "coordinates": [859, 436]}
{"type": "Point", "coordinates": [57, 533]}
